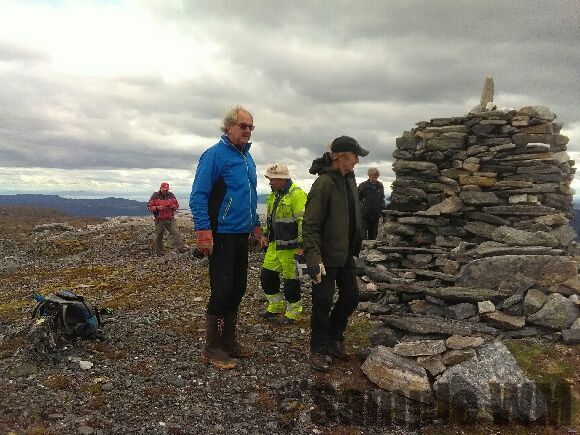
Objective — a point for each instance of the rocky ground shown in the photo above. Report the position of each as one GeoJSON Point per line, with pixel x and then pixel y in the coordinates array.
{"type": "Point", "coordinates": [146, 376]}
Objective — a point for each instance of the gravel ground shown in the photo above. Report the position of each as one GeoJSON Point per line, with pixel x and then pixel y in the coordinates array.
{"type": "Point", "coordinates": [146, 376]}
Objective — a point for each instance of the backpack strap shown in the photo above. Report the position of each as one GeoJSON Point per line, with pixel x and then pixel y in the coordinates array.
{"type": "Point", "coordinates": [62, 318]}
{"type": "Point", "coordinates": [37, 309]}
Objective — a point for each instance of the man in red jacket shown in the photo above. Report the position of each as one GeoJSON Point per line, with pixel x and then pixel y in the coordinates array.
{"type": "Point", "coordinates": [163, 205]}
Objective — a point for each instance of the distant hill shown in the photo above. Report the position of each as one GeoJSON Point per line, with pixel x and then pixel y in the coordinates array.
{"type": "Point", "coordinates": [105, 207]}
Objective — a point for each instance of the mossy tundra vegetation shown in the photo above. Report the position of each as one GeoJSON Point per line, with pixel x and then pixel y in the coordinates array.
{"type": "Point", "coordinates": [146, 375]}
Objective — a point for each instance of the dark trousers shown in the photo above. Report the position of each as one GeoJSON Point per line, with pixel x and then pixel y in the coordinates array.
{"type": "Point", "coordinates": [328, 322]}
{"type": "Point", "coordinates": [270, 282]}
{"type": "Point", "coordinates": [369, 228]}
{"type": "Point", "coordinates": [228, 273]}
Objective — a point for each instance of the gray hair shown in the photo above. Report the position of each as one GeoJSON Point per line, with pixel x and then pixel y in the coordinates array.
{"type": "Point", "coordinates": [373, 171]}
{"type": "Point", "coordinates": [231, 117]}
{"type": "Point", "coordinates": [333, 155]}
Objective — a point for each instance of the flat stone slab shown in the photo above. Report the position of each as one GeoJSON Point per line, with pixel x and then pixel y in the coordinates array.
{"type": "Point", "coordinates": [449, 205]}
{"type": "Point", "coordinates": [514, 237]}
{"type": "Point", "coordinates": [420, 348]}
{"type": "Point", "coordinates": [461, 342]}
{"type": "Point", "coordinates": [465, 294]}
{"type": "Point", "coordinates": [460, 311]}
{"type": "Point", "coordinates": [479, 198]}
{"type": "Point", "coordinates": [455, 356]}
{"type": "Point", "coordinates": [504, 321]}
{"type": "Point", "coordinates": [421, 306]}
{"type": "Point", "coordinates": [422, 220]}
{"type": "Point", "coordinates": [449, 294]}
{"type": "Point", "coordinates": [434, 274]}
{"type": "Point", "coordinates": [544, 270]}
{"type": "Point", "coordinates": [493, 251]}
{"type": "Point", "coordinates": [395, 373]}
{"type": "Point", "coordinates": [378, 275]}
{"type": "Point", "coordinates": [479, 228]}
{"type": "Point", "coordinates": [408, 250]}
{"type": "Point", "coordinates": [419, 324]}
{"type": "Point", "coordinates": [518, 210]}
{"type": "Point", "coordinates": [401, 165]}
{"type": "Point", "coordinates": [569, 287]}
{"type": "Point", "coordinates": [492, 382]}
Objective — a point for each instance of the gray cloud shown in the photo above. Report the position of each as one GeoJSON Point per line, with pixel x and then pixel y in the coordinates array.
{"type": "Point", "coordinates": [309, 72]}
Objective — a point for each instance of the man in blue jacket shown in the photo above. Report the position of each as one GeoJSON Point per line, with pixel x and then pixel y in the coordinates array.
{"type": "Point", "coordinates": [223, 204]}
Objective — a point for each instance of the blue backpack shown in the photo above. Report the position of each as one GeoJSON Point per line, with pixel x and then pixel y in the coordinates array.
{"type": "Point", "coordinates": [71, 313]}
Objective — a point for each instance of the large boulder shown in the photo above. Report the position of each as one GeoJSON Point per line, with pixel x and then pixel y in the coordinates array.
{"type": "Point", "coordinates": [395, 373]}
{"type": "Point", "coordinates": [533, 301]}
{"type": "Point", "coordinates": [558, 312]}
{"type": "Point", "coordinates": [493, 384]}
{"type": "Point", "coordinates": [489, 272]}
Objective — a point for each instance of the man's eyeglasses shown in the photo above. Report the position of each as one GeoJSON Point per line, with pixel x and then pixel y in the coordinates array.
{"type": "Point", "coordinates": [245, 126]}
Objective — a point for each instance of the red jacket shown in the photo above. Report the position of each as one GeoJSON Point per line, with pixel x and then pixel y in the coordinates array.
{"type": "Point", "coordinates": [166, 200]}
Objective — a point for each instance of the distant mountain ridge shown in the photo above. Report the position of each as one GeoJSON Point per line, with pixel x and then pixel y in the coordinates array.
{"type": "Point", "coordinates": [103, 207]}
{"type": "Point", "coordinates": [111, 207]}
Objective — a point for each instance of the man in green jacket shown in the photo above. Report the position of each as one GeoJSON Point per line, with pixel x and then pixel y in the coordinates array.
{"type": "Point", "coordinates": [283, 236]}
{"type": "Point", "coordinates": [331, 237]}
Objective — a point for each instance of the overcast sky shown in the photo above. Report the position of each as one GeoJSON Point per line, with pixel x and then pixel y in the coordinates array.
{"type": "Point", "coordinates": [109, 98]}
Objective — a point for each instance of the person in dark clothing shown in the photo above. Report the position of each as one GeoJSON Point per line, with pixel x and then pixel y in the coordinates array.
{"type": "Point", "coordinates": [223, 205]}
{"type": "Point", "coordinates": [331, 238]}
{"type": "Point", "coordinates": [372, 196]}
{"type": "Point", "coordinates": [163, 205]}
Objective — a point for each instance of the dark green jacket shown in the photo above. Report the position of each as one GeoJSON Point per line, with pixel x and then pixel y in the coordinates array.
{"type": "Point", "coordinates": [326, 218]}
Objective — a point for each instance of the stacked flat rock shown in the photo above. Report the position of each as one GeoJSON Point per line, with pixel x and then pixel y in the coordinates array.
{"type": "Point", "coordinates": [477, 230]}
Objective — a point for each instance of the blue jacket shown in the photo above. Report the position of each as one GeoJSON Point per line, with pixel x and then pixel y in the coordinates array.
{"type": "Point", "coordinates": [223, 196]}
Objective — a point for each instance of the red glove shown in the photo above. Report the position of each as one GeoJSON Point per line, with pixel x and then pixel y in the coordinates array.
{"type": "Point", "coordinates": [204, 242]}
{"type": "Point", "coordinates": [257, 233]}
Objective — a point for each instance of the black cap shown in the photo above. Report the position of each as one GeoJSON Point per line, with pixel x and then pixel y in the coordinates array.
{"type": "Point", "coordinates": [346, 143]}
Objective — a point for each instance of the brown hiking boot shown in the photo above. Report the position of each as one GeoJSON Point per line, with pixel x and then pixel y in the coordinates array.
{"type": "Point", "coordinates": [319, 362]}
{"type": "Point", "coordinates": [336, 349]}
{"type": "Point", "coordinates": [213, 352]}
{"type": "Point", "coordinates": [218, 358]}
{"type": "Point", "coordinates": [231, 344]}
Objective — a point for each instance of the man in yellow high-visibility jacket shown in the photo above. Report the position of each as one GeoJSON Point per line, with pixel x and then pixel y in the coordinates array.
{"type": "Point", "coordinates": [283, 236]}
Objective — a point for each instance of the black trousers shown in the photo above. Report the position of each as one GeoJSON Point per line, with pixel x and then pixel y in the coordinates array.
{"type": "Point", "coordinates": [369, 228]}
{"type": "Point", "coordinates": [228, 272]}
{"type": "Point", "coordinates": [270, 282]}
{"type": "Point", "coordinates": [328, 322]}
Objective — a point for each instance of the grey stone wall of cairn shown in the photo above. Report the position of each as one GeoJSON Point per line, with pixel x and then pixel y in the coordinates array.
{"type": "Point", "coordinates": [475, 247]}
{"type": "Point", "coordinates": [477, 228]}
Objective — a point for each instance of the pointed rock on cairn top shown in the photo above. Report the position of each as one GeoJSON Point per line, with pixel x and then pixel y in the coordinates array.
{"type": "Point", "coordinates": [486, 101]}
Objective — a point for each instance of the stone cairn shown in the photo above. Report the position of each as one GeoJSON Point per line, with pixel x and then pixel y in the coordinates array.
{"type": "Point", "coordinates": [475, 246]}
